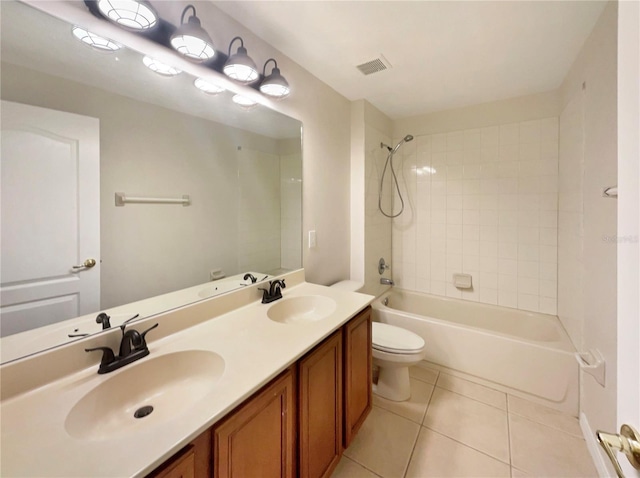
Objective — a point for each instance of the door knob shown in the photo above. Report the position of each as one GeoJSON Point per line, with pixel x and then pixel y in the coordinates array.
{"type": "Point", "coordinates": [627, 441]}
{"type": "Point", "coordinates": [88, 264]}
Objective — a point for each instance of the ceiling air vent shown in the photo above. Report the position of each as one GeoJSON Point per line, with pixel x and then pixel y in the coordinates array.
{"type": "Point", "coordinates": [374, 66]}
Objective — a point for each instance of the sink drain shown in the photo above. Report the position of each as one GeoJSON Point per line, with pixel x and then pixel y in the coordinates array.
{"type": "Point", "coordinates": [143, 411]}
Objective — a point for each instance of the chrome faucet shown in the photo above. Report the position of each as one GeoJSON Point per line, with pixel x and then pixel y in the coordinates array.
{"type": "Point", "coordinates": [274, 292]}
{"type": "Point", "coordinates": [133, 346]}
{"type": "Point", "coordinates": [385, 281]}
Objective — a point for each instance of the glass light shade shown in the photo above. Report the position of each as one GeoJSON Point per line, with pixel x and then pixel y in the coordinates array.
{"type": "Point", "coordinates": [275, 85]}
{"type": "Point", "coordinates": [240, 67]}
{"type": "Point", "coordinates": [94, 41]}
{"type": "Point", "coordinates": [244, 102]}
{"type": "Point", "coordinates": [207, 86]}
{"type": "Point", "coordinates": [160, 67]}
{"type": "Point", "coordinates": [193, 47]}
{"type": "Point", "coordinates": [131, 14]}
{"type": "Point", "coordinates": [192, 41]}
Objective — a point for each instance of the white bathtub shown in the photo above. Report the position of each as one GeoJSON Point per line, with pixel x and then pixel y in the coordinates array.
{"type": "Point", "coordinates": [524, 353]}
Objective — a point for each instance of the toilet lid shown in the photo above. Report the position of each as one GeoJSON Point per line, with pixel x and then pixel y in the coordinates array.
{"type": "Point", "coordinates": [389, 338]}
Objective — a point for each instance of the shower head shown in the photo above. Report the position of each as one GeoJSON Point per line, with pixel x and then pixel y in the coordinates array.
{"type": "Point", "coordinates": [406, 139]}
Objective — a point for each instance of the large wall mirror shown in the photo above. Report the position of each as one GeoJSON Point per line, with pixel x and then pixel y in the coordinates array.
{"type": "Point", "coordinates": [79, 126]}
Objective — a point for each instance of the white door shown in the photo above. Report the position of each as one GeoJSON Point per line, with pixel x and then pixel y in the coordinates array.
{"type": "Point", "coordinates": [50, 217]}
{"type": "Point", "coordinates": [628, 388]}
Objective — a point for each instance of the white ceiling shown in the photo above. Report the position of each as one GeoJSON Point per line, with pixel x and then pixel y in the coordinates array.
{"type": "Point", "coordinates": [444, 54]}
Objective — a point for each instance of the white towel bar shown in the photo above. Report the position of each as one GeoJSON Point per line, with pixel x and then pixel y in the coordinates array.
{"type": "Point", "coordinates": [122, 199]}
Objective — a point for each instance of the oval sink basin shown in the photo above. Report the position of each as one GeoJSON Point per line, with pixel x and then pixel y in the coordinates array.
{"type": "Point", "coordinates": [303, 309]}
{"type": "Point", "coordinates": [169, 383]}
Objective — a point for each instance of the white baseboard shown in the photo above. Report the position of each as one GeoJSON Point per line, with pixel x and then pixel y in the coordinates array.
{"type": "Point", "coordinates": [603, 467]}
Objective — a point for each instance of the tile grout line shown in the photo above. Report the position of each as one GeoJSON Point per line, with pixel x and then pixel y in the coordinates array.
{"type": "Point", "coordinates": [474, 399]}
{"type": "Point", "coordinates": [393, 412]}
{"type": "Point", "coordinates": [433, 387]}
{"type": "Point", "coordinates": [466, 445]}
{"type": "Point", "coordinates": [415, 443]}
{"type": "Point", "coordinates": [537, 422]}
{"type": "Point", "coordinates": [360, 464]}
{"type": "Point", "coordinates": [509, 436]}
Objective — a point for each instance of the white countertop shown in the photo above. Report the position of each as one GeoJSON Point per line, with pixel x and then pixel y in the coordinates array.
{"type": "Point", "coordinates": [255, 349]}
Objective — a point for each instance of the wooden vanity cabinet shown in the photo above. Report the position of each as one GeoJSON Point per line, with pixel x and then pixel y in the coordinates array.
{"type": "Point", "coordinates": [320, 409]}
{"type": "Point", "coordinates": [258, 439]}
{"type": "Point", "coordinates": [297, 425]}
{"type": "Point", "coordinates": [193, 461]}
{"type": "Point", "coordinates": [357, 373]}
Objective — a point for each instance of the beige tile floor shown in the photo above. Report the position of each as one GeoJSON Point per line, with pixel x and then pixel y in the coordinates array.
{"type": "Point", "coordinates": [455, 428]}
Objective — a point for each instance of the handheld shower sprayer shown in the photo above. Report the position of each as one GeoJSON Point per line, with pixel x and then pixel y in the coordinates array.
{"type": "Point", "coordinates": [390, 154]}
{"type": "Point", "coordinates": [406, 139]}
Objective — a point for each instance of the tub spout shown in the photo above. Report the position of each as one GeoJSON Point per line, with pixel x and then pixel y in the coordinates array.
{"type": "Point", "coordinates": [385, 281]}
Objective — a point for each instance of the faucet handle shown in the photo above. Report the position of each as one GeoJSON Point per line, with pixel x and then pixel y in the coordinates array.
{"type": "Point", "coordinates": [124, 324]}
{"type": "Point", "coordinates": [107, 356]}
{"type": "Point", "coordinates": [143, 334]}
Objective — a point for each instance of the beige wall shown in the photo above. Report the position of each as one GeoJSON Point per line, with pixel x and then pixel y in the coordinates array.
{"type": "Point", "coordinates": [373, 238]}
{"type": "Point", "coordinates": [480, 189]}
{"type": "Point", "coordinates": [325, 115]}
{"type": "Point", "coordinates": [588, 222]}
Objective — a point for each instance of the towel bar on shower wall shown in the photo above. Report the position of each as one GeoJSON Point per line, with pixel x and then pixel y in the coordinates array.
{"type": "Point", "coordinates": [122, 199]}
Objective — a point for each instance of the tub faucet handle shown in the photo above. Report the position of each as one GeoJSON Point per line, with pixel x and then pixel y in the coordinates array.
{"type": "Point", "coordinates": [382, 266]}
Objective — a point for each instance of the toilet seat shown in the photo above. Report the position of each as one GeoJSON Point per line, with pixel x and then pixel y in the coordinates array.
{"type": "Point", "coordinates": [395, 340]}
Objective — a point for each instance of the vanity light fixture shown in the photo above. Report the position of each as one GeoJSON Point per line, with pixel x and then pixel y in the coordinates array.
{"type": "Point", "coordinates": [94, 41]}
{"type": "Point", "coordinates": [136, 15]}
{"type": "Point", "coordinates": [240, 66]}
{"type": "Point", "coordinates": [275, 84]}
{"type": "Point", "coordinates": [159, 67]}
{"type": "Point", "coordinates": [191, 40]}
{"type": "Point", "coordinates": [207, 86]}
{"type": "Point", "coordinates": [244, 102]}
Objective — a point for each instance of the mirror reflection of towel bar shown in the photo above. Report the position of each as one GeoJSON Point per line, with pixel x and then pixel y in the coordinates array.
{"type": "Point", "coordinates": [122, 199]}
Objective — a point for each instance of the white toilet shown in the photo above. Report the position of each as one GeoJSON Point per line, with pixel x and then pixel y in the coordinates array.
{"type": "Point", "coordinates": [394, 350]}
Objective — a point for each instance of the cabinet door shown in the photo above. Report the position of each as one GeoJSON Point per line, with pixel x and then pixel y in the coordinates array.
{"type": "Point", "coordinates": [357, 374]}
{"type": "Point", "coordinates": [183, 465]}
{"type": "Point", "coordinates": [258, 439]}
{"type": "Point", "coordinates": [320, 408]}
{"type": "Point", "coordinates": [193, 461]}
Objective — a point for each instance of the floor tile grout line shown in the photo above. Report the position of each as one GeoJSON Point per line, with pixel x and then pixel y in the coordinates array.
{"type": "Point", "coordinates": [468, 446]}
{"type": "Point", "coordinates": [360, 464]}
{"type": "Point", "coordinates": [413, 449]}
{"type": "Point", "coordinates": [471, 398]}
{"type": "Point", "coordinates": [509, 438]}
{"type": "Point", "coordinates": [579, 437]}
{"type": "Point", "coordinates": [421, 380]}
{"type": "Point", "coordinates": [407, 418]}
{"type": "Point", "coordinates": [396, 413]}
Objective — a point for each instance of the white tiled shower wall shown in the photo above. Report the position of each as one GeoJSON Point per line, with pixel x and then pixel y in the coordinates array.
{"type": "Point", "coordinates": [482, 202]}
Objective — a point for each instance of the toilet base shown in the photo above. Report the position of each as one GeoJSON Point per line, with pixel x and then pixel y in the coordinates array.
{"type": "Point", "coordinates": [393, 384]}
